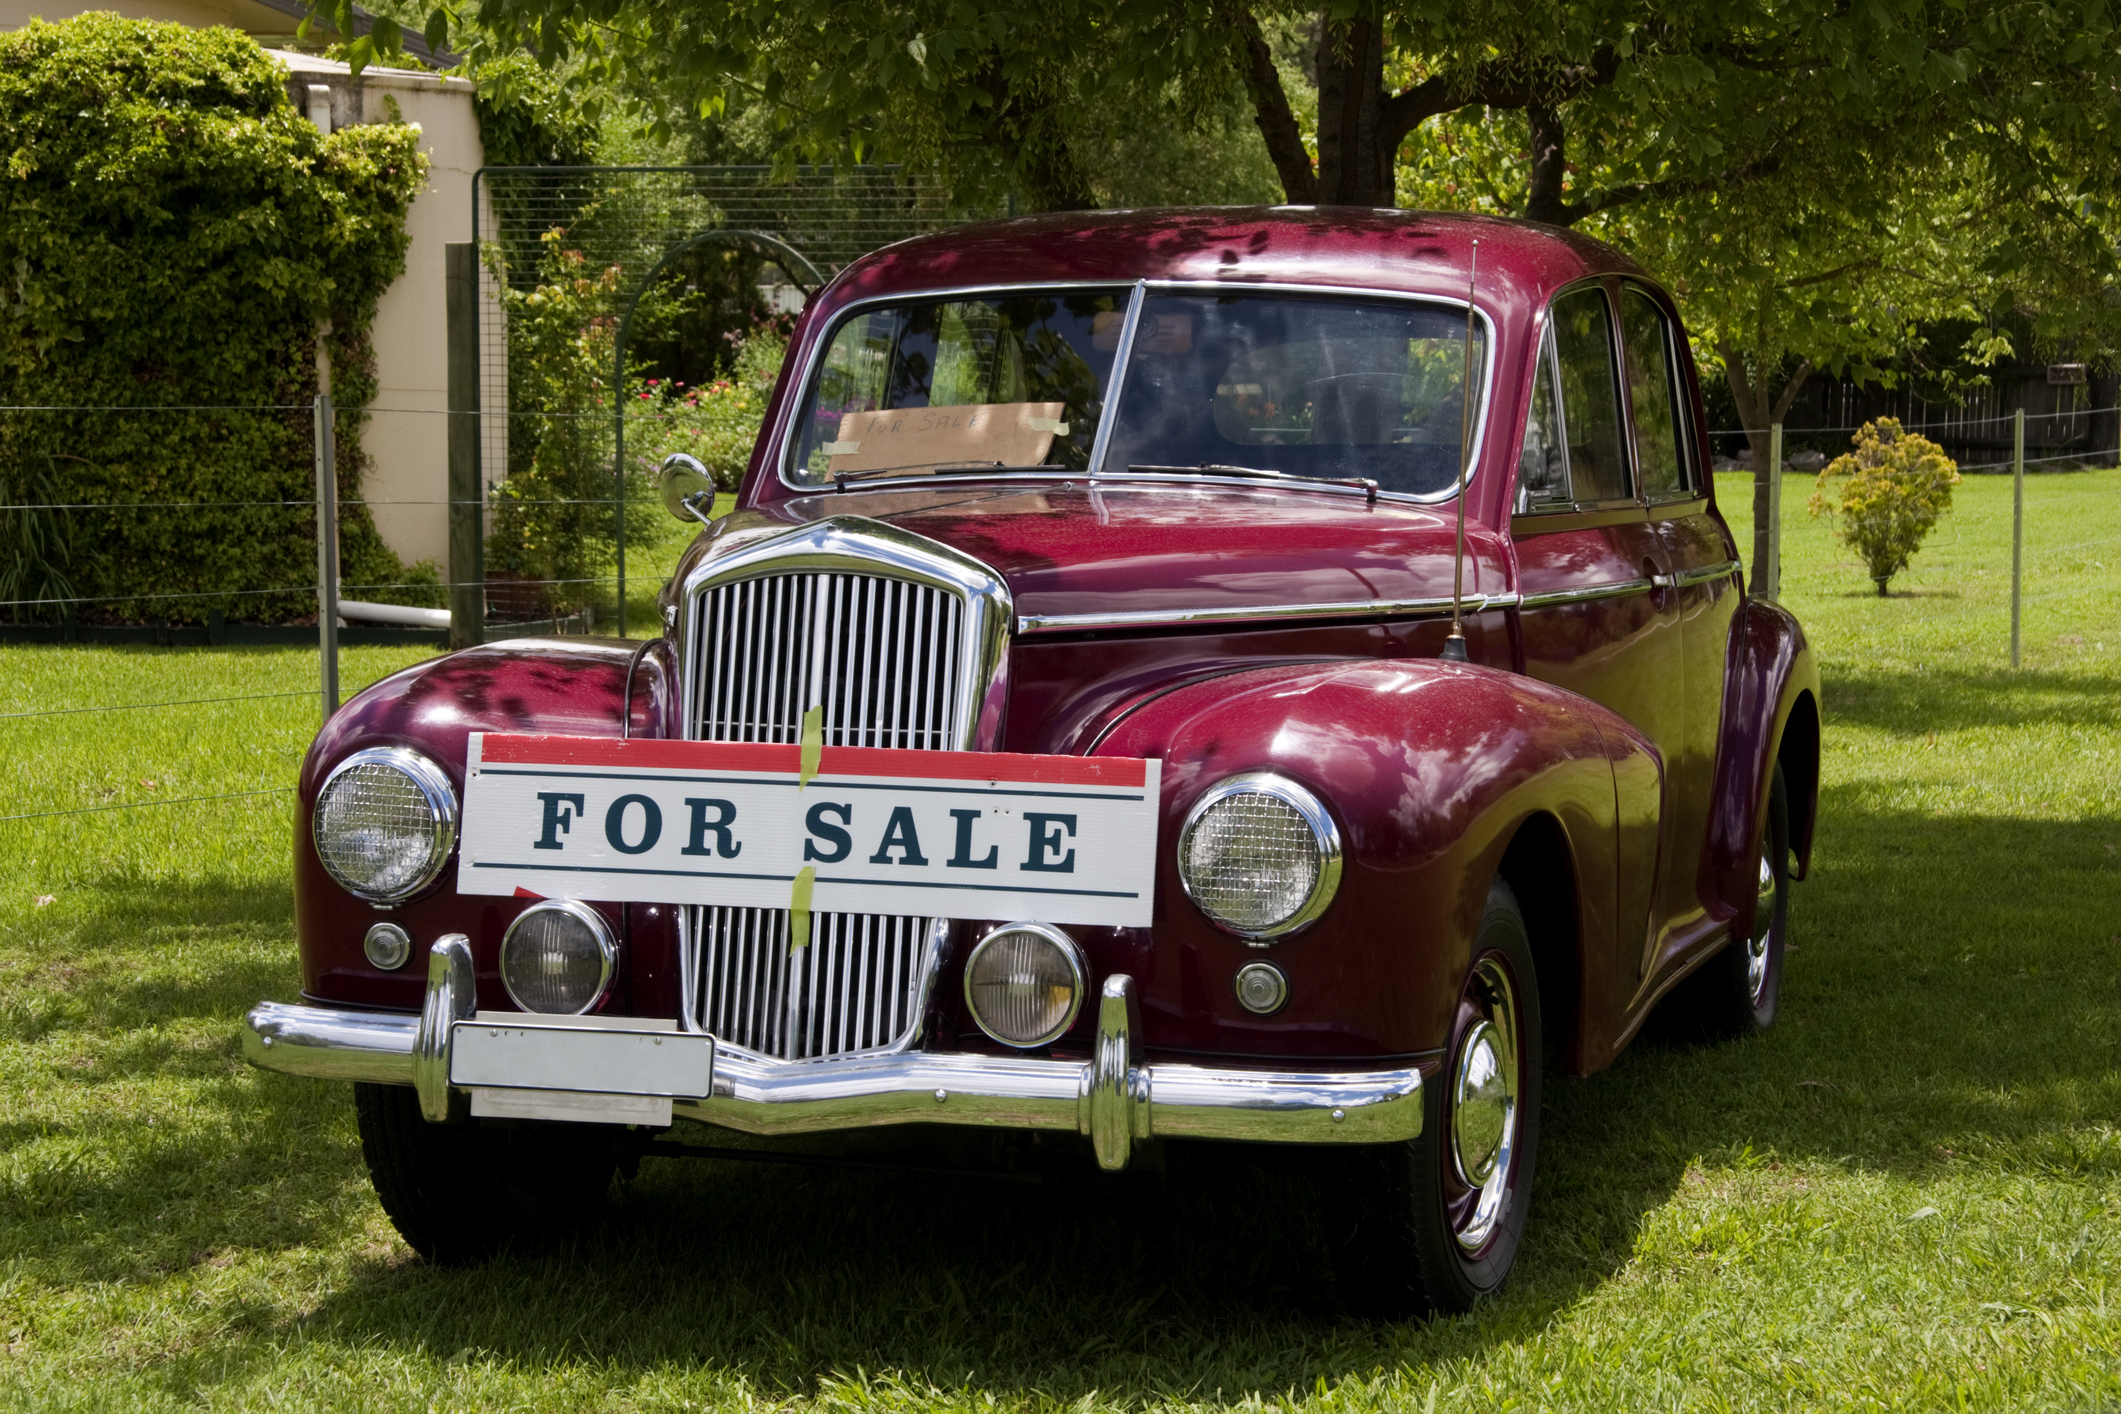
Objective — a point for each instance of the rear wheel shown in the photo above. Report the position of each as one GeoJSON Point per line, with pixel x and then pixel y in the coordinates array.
{"type": "Point", "coordinates": [1434, 1224]}
{"type": "Point", "coordinates": [1736, 992]}
{"type": "Point", "coordinates": [458, 1193]}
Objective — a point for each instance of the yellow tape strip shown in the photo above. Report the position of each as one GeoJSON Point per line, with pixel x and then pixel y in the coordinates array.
{"type": "Point", "coordinates": [813, 745]}
{"type": "Point", "coordinates": [799, 908]}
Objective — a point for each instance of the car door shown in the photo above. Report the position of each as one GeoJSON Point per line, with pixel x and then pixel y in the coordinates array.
{"type": "Point", "coordinates": [1596, 614]}
{"type": "Point", "coordinates": [1704, 594]}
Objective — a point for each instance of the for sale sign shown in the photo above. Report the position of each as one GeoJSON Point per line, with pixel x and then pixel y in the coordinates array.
{"type": "Point", "coordinates": [1050, 839]}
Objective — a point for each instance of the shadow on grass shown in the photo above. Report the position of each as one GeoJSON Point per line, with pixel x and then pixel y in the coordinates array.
{"type": "Point", "coordinates": [1912, 703]}
{"type": "Point", "coordinates": [1937, 964]}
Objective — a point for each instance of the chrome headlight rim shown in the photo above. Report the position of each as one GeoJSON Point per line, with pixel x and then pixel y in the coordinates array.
{"type": "Point", "coordinates": [434, 787]}
{"type": "Point", "coordinates": [1068, 950]}
{"type": "Point", "coordinates": [1325, 833]}
{"type": "Point", "coordinates": [599, 929]}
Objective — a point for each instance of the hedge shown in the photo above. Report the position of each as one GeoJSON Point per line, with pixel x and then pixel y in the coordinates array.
{"type": "Point", "coordinates": [173, 234]}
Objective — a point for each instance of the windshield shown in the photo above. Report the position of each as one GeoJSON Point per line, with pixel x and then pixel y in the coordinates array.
{"type": "Point", "coordinates": [1292, 385]}
{"type": "Point", "coordinates": [1315, 387]}
{"type": "Point", "coordinates": [1016, 380]}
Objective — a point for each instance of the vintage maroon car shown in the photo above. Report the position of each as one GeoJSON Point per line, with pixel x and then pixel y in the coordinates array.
{"type": "Point", "coordinates": [1160, 503]}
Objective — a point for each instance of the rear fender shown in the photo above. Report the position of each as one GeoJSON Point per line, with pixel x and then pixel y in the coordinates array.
{"type": "Point", "coordinates": [1429, 769]}
{"type": "Point", "coordinates": [1770, 712]}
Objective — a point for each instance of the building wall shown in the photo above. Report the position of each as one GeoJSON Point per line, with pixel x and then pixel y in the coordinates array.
{"type": "Point", "coordinates": [406, 483]}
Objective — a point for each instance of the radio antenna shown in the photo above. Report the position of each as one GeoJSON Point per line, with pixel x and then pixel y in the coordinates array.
{"type": "Point", "coordinates": [1454, 644]}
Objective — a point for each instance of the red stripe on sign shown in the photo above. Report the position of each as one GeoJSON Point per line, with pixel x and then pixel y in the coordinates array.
{"type": "Point", "coordinates": [501, 749]}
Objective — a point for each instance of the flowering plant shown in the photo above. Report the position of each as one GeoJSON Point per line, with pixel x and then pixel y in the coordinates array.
{"type": "Point", "coordinates": [1886, 495]}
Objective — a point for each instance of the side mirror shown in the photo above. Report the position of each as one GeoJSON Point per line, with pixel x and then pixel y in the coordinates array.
{"type": "Point", "coordinates": [686, 488]}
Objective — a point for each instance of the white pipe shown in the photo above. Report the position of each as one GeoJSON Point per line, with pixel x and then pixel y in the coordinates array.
{"type": "Point", "coordinates": [393, 614]}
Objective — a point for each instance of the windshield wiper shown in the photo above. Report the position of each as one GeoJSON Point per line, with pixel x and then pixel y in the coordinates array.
{"type": "Point", "coordinates": [1358, 483]}
{"type": "Point", "coordinates": [914, 470]}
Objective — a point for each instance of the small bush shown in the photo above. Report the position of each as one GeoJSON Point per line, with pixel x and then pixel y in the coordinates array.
{"type": "Point", "coordinates": [174, 235]}
{"type": "Point", "coordinates": [1885, 496]}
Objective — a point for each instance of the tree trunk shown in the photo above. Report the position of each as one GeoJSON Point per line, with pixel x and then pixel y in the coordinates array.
{"type": "Point", "coordinates": [1545, 201]}
{"type": "Point", "coordinates": [2106, 425]}
{"type": "Point", "coordinates": [1354, 160]}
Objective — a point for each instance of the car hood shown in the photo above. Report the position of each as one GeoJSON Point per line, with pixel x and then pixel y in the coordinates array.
{"type": "Point", "coordinates": [1068, 549]}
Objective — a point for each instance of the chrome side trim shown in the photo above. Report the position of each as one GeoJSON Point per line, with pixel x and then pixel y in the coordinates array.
{"type": "Point", "coordinates": [1704, 573]}
{"type": "Point", "coordinates": [1115, 1099]}
{"type": "Point", "coordinates": [1117, 383]}
{"type": "Point", "coordinates": [1340, 609]}
{"type": "Point", "coordinates": [1618, 589]}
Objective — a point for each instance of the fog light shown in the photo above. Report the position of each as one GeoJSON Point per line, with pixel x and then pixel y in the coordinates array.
{"type": "Point", "coordinates": [387, 946]}
{"type": "Point", "coordinates": [384, 821]}
{"type": "Point", "coordinates": [1261, 988]}
{"type": "Point", "coordinates": [1024, 984]}
{"type": "Point", "coordinates": [557, 957]}
{"type": "Point", "coordinates": [1259, 856]}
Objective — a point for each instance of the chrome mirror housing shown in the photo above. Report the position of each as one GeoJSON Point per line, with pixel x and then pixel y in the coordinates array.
{"type": "Point", "coordinates": [686, 488]}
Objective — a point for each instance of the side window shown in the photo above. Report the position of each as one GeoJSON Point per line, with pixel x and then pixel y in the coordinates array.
{"type": "Point", "coordinates": [1653, 388]}
{"type": "Point", "coordinates": [1543, 467]}
{"type": "Point", "coordinates": [1590, 397]}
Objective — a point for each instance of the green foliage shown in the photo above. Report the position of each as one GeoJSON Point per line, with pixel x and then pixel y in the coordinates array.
{"type": "Point", "coordinates": [718, 423]}
{"type": "Point", "coordinates": [1886, 496]}
{"type": "Point", "coordinates": [175, 234]}
{"type": "Point", "coordinates": [528, 117]}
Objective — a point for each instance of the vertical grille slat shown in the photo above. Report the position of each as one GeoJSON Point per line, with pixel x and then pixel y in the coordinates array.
{"type": "Point", "coordinates": [883, 658]}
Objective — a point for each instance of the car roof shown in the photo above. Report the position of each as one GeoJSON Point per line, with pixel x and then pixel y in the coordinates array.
{"type": "Point", "coordinates": [1416, 252]}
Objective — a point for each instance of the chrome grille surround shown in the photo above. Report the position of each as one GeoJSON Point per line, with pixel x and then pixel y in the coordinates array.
{"type": "Point", "coordinates": [903, 642]}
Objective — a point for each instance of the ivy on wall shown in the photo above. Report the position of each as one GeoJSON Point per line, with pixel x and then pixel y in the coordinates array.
{"type": "Point", "coordinates": [173, 234]}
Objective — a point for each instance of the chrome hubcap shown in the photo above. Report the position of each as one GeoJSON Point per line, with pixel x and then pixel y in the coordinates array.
{"type": "Point", "coordinates": [1484, 1105]}
{"type": "Point", "coordinates": [1756, 947]}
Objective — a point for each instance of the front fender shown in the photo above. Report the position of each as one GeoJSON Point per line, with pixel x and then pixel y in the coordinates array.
{"type": "Point", "coordinates": [573, 687]}
{"type": "Point", "coordinates": [1770, 711]}
{"type": "Point", "coordinates": [1429, 769]}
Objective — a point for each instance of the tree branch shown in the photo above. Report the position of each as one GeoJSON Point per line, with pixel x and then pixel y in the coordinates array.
{"type": "Point", "coordinates": [1637, 191]}
{"type": "Point", "coordinates": [1271, 110]}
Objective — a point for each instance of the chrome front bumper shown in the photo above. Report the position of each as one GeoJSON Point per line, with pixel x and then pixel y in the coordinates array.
{"type": "Point", "coordinates": [1113, 1098]}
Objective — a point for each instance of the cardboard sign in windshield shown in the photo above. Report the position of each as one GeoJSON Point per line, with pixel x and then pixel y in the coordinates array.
{"type": "Point", "coordinates": [928, 834]}
{"type": "Point", "coordinates": [918, 440]}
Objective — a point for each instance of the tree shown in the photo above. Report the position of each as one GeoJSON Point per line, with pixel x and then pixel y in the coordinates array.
{"type": "Point", "coordinates": [1886, 496]}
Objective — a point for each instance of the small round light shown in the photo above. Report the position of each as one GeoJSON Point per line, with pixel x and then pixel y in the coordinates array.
{"type": "Point", "coordinates": [388, 946]}
{"type": "Point", "coordinates": [1024, 984]}
{"type": "Point", "coordinates": [557, 957]}
{"type": "Point", "coordinates": [1259, 856]}
{"type": "Point", "coordinates": [384, 823]}
{"type": "Point", "coordinates": [1261, 988]}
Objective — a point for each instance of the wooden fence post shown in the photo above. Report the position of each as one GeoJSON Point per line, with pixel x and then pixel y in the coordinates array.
{"type": "Point", "coordinates": [1767, 521]}
{"type": "Point", "coordinates": [467, 508]}
{"type": "Point", "coordinates": [327, 555]}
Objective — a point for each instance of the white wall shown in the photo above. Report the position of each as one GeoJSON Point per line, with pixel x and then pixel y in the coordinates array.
{"type": "Point", "coordinates": [407, 437]}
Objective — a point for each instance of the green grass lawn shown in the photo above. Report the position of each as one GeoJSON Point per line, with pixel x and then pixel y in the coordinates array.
{"type": "Point", "coordinates": [1908, 1195]}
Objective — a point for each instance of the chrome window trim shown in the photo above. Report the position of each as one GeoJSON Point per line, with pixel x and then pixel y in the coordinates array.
{"type": "Point", "coordinates": [1068, 950]}
{"type": "Point", "coordinates": [1323, 829]}
{"type": "Point", "coordinates": [1101, 443]}
{"type": "Point", "coordinates": [845, 544]}
{"type": "Point", "coordinates": [1173, 618]}
{"type": "Point", "coordinates": [1616, 589]}
{"type": "Point", "coordinates": [599, 928]}
{"type": "Point", "coordinates": [1682, 409]}
{"type": "Point", "coordinates": [434, 786]}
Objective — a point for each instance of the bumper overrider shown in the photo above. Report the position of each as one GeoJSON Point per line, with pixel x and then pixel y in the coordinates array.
{"type": "Point", "coordinates": [1113, 1099]}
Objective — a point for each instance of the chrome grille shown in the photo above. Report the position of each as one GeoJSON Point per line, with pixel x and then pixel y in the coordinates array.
{"type": "Point", "coordinates": [884, 658]}
{"type": "Point", "coordinates": [858, 987]}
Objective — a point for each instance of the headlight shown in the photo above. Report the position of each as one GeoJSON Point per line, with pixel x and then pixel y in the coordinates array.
{"type": "Point", "coordinates": [1024, 984]}
{"type": "Point", "coordinates": [1259, 855]}
{"type": "Point", "coordinates": [557, 957]}
{"type": "Point", "coordinates": [384, 823]}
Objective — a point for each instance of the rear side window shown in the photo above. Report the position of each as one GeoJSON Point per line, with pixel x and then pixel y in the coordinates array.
{"type": "Point", "coordinates": [1543, 465]}
{"type": "Point", "coordinates": [1653, 389]}
{"type": "Point", "coordinates": [1590, 397]}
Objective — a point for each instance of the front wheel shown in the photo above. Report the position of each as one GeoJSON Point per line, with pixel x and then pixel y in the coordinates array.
{"type": "Point", "coordinates": [459, 1193]}
{"type": "Point", "coordinates": [1434, 1224]}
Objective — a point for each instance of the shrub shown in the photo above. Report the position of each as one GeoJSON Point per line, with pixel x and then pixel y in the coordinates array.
{"type": "Point", "coordinates": [1885, 496]}
{"type": "Point", "coordinates": [175, 234]}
